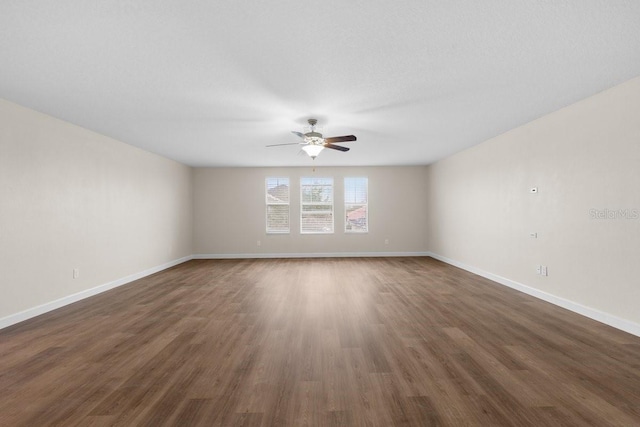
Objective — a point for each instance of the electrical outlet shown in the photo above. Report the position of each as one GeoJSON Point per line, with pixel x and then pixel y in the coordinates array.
{"type": "Point", "coordinates": [76, 273]}
{"type": "Point", "coordinates": [545, 272]}
{"type": "Point", "coordinates": [386, 241]}
{"type": "Point", "coordinates": [538, 269]}
{"type": "Point", "coordinates": [259, 243]}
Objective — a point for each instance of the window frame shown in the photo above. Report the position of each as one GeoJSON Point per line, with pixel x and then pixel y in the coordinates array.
{"type": "Point", "coordinates": [349, 204]}
{"type": "Point", "coordinates": [303, 203]}
{"type": "Point", "coordinates": [267, 204]}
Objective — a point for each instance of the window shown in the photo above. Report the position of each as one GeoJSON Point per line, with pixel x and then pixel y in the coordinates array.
{"type": "Point", "coordinates": [356, 205]}
{"type": "Point", "coordinates": [316, 205]}
{"type": "Point", "coordinates": [277, 200]}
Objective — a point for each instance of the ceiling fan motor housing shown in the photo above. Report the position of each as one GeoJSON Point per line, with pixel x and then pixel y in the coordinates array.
{"type": "Point", "coordinates": [313, 134]}
{"type": "Point", "coordinates": [313, 137]}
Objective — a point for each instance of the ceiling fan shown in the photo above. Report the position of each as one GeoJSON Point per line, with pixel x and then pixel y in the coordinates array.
{"type": "Point", "coordinates": [313, 142]}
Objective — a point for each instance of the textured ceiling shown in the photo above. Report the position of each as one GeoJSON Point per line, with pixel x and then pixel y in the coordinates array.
{"type": "Point", "coordinates": [210, 83]}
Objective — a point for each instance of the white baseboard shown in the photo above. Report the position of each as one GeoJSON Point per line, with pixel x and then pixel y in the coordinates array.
{"type": "Point", "coordinates": [44, 308]}
{"type": "Point", "coordinates": [592, 313]}
{"type": "Point", "coordinates": [311, 255]}
{"type": "Point", "coordinates": [606, 318]}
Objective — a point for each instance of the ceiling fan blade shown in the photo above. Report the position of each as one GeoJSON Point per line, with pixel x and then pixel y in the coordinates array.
{"type": "Point", "coordinates": [288, 143]}
{"type": "Point", "coordinates": [335, 147]}
{"type": "Point", "coordinates": [345, 138]}
{"type": "Point", "coordinates": [301, 135]}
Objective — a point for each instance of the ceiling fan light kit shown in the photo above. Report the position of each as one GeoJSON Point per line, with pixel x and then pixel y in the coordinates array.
{"type": "Point", "coordinates": [313, 142]}
{"type": "Point", "coordinates": [313, 150]}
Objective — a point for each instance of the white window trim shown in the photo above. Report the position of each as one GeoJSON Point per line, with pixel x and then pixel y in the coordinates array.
{"type": "Point", "coordinates": [346, 205]}
{"type": "Point", "coordinates": [267, 204]}
{"type": "Point", "coordinates": [332, 211]}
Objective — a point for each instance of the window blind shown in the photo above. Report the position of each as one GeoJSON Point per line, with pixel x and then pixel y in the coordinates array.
{"type": "Point", "coordinates": [356, 205]}
{"type": "Point", "coordinates": [316, 205]}
{"type": "Point", "coordinates": [277, 205]}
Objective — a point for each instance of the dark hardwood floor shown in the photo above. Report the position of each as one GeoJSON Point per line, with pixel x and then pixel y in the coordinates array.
{"type": "Point", "coordinates": [379, 342]}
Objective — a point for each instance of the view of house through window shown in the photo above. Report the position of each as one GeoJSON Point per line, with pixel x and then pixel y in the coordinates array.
{"type": "Point", "coordinates": [277, 199]}
{"type": "Point", "coordinates": [316, 205]}
{"type": "Point", "coordinates": [356, 205]}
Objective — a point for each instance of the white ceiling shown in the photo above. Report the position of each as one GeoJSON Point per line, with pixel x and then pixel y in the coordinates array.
{"type": "Point", "coordinates": [210, 83]}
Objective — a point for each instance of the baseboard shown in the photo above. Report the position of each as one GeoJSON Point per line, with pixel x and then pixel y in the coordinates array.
{"type": "Point", "coordinates": [606, 318]}
{"type": "Point", "coordinates": [602, 317]}
{"type": "Point", "coordinates": [44, 308]}
{"type": "Point", "coordinates": [311, 255]}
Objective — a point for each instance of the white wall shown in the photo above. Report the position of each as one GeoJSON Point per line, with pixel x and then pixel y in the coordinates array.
{"type": "Point", "coordinates": [586, 156]}
{"type": "Point", "coordinates": [229, 212]}
{"type": "Point", "coordinates": [70, 198]}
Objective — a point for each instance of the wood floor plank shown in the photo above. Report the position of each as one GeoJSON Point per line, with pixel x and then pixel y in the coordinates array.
{"type": "Point", "coordinates": [318, 342]}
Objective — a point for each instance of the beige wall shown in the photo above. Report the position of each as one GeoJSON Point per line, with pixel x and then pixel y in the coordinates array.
{"type": "Point", "coordinates": [586, 156]}
{"type": "Point", "coordinates": [70, 198]}
{"type": "Point", "coordinates": [230, 212]}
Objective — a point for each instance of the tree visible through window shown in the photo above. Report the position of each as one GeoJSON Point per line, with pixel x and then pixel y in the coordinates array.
{"type": "Point", "coordinates": [277, 200]}
{"type": "Point", "coordinates": [356, 205]}
{"type": "Point", "coordinates": [316, 205]}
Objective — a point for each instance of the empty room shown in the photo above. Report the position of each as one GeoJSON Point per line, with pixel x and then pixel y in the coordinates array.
{"type": "Point", "coordinates": [320, 213]}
